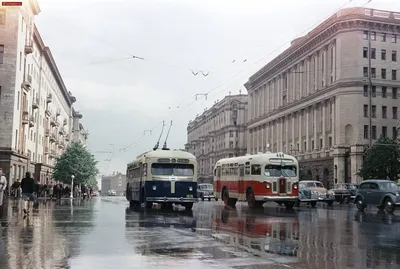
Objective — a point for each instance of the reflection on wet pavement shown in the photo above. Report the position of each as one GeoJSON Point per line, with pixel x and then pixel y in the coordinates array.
{"type": "Point", "coordinates": [104, 233]}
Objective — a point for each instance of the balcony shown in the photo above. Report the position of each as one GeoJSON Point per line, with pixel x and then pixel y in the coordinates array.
{"type": "Point", "coordinates": [31, 121]}
{"type": "Point", "coordinates": [73, 99]}
{"type": "Point", "coordinates": [53, 138]}
{"type": "Point", "coordinates": [53, 154]}
{"type": "Point", "coordinates": [58, 112]}
{"type": "Point", "coordinates": [61, 131]}
{"type": "Point", "coordinates": [49, 98]}
{"type": "Point", "coordinates": [57, 123]}
{"type": "Point", "coordinates": [35, 103]}
{"type": "Point", "coordinates": [61, 145]}
{"type": "Point", "coordinates": [65, 122]}
{"type": "Point", "coordinates": [48, 112]}
{"type": "Point", "coordinates": [25, 117]}
{"type": "Point", "coordinates": [47, 133]}
{"type": "Point", "coordinates": [53, 122]}
{"type": "Point", "coordinates": [28, 48]}
{"type": "Point", "coordinates": [27, 84]}
{"type": "Point", "coordinates": [46, 151]}
{"type": "Point", "coordinates": [67, 137]}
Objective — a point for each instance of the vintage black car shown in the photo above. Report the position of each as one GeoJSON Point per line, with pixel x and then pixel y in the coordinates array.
{"type": "Point", "coordinates": [385, 194]}
{"type": "Point", "coordinates": [344, 192]}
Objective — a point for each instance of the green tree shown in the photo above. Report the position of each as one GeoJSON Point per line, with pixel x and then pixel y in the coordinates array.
{"type": "Point", "coordinates": [381, 161]}
{"type": "Point", "coordinates": [77, 161]}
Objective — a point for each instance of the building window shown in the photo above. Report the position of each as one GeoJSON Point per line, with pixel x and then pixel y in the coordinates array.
{"type": "Point", "coordinates": [373, 91]}
{"type": "Point", "coordinates": [394, 132]}
{"type": "Point", "coordinates": [373, 35]}
{"type": "Point", "coordinates": [384, 131]}
{"type": "Point", "coordinates": [394, 56]}
{"type": "Point", "coordinates": [365, 110]}
{"type": "Point", "coordinates": [230, 144]}
{"type": "Point", "coordinates": [384, 112]}
{"type": "Point", "coordinates": [20, 61]}
{"type": "Point", "coordinates": [394, 112]}
{"type": "Point", "coordinates": [394, 74]}
{"type": "Point", "coordinates": [373, 72]}
{"type": "Point", "coordinates": [383, 54]}
{"type": "Point", "coordinates": [366, 132]}
{"type": "Point", "coordinates": [365, 71]}
{"type": "Point", "coordinates": [374, 111]}
{"type": "Point", "coordinates": [383, 37]}
{"type": "Point", "coordinates": [230, 133]}
{"type": "Point", "coordinates": [394, 93]}
{"type": "Point", "coordinates": [365, 90]}
{"type": "Point", "coordinates": [393, 38]}
{"type": "Point", "coordinates": [330, 142]}
{"type": "Point", "coordinates": [383, 73]}
{"type": "Point", "coordinates": [373, 132]}
{"type": "Point", "coordinates": [384, 91]}
{"type": "Point", "coordinates": [1, 54]}
{"type": "Point", "coordinates": [365, 35]}
{"type": "Point", "coordinates": [373, 53]}
{"type": "Point", "coordinates": [365, 52]}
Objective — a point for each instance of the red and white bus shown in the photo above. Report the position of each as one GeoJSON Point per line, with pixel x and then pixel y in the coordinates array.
{"type": "Point", "coordinates": [257, 179]}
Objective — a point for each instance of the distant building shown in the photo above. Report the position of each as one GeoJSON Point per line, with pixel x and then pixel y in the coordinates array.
{"type": "Point", "coordinates": [116, 181]}
{"type": "Point", "coordinates": [220, 132]}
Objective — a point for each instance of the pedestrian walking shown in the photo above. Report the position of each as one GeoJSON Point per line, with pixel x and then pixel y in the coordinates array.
{"type": "Point", "coordinates": [28, 188]}
{"type": "Point", "coordinates": [3, 186]}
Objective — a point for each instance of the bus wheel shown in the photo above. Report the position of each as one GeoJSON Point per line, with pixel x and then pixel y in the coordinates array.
{"type": "Point", "coordinates": [188, 206]}
{"type": "Point", "coordinates": [251, 200]}
{"type": "Point", "coordinates": [289, 205]}
{"type": "Point", "coordinates": [149, 204]}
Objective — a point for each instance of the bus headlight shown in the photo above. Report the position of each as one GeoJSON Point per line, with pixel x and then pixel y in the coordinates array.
{"type": "Point", "coordinates": [154, 188]}
{"type": "Point", "coordinates": [190, 188]}
{"type": "Point", "coordinates": [295, 186]}
{"type": "Point", "coordinates": [267, 186]}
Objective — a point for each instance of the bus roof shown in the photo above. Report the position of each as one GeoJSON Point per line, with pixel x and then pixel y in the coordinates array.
{"type": "Point", "coordinates": [258, 158]}
{"type": "Point", "coordinates": [159, 153]}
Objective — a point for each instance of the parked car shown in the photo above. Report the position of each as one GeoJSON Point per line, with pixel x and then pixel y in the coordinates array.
{"type": "Point", "coordinates": [344, 192]}
{"type": "Point", "coordinates": [323, 194]}
{"type": "Point", "coordinates": [384, 194]}
{"type": "Point", "coordinates": [205, 191]}
{"type": "Point", "coordinates": [112, 193]}
{"type": "Point", "coordinates": [307, 195]}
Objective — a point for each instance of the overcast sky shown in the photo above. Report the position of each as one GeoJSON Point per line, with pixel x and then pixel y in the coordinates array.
{"type": "Point", "coordinates": [93, 43]}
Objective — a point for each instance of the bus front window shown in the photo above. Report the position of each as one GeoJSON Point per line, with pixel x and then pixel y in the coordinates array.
{"type": "Point", "coordinates": [277, 171]}
{"type": "Point", "coordinates": [169, 169]}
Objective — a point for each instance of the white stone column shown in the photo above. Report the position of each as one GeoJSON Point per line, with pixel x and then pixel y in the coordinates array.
{"type": "Point", "coordinates": [315, 127]}
{"type": "Point", "coordinates": [266, 98]}
{"type": "Point", "coordinates": [281, 125]}
{"type": "Point", "coordinates": [293, 132]}
{"type": "Point", "coordinates": [249, 136]}
{"type": "Point", "coordinates": [333, 131]}
{"type": "Point", "coordinates": [301, 86]}
{"type": "Point", "coordinates": [307, 111]}
{"type": "Point", "coordinates": [300, 121]}
{"type": "Point", "coordinates": [268, 128]}
{"type": "Point", "coordinates": [286, 134]}
{"type": "Point", "coordinates": [262, 138]}
{"type": "Point", "coordinates": [323, 125]}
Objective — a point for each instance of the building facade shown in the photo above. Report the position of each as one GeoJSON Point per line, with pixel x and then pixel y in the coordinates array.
{"type": "Point", "coordinates": [79, 133]}
{"type": "Point", "coordinates": [116, 181]}
{"type": "Point", "coordinates": [35, 107]}
{"type": "Point", "coordinates": [312, 101]}
{"type": "Point", "coordinates": [220, 132]}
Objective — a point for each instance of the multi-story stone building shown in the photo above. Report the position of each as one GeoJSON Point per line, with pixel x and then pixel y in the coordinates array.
{"type": "Point", "coordinates": [220, 132]}
{"type": "Point", "coordinates": [116, 181]}
{"type": "Point", "coordinates": [78, 132]}
{"type": "Point", "coordinates": [35, 106]}
{"type": "Point", "coordinates": [312, 100]}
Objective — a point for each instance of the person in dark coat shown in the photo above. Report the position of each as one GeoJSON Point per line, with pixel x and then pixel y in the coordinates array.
{"type": "Point", "coordinates": [28, 188]}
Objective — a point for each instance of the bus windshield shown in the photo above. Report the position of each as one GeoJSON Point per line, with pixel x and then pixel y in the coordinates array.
{"type": "Point", "coordinates": [168, 169]}
{"type": "Point", "coordinates": [277, 171]}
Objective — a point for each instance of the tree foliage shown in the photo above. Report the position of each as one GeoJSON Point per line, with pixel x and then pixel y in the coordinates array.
{"type": "Point", "coordinates": [77, 161]}
{"type": "Point", "coordinates": [381, 161]}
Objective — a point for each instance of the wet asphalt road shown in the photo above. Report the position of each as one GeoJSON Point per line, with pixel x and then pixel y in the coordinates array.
{"type": "Point", "coordinates": [103, 233]}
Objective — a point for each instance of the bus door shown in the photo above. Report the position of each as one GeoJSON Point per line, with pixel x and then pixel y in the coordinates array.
{"type": "Point", "coordinates": [241, 179]}
{"type": "Point", "coordinates": [217, 181]}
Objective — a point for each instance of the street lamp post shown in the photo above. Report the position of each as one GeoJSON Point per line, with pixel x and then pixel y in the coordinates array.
{"type": "Point", "coordinates": [72, 187]}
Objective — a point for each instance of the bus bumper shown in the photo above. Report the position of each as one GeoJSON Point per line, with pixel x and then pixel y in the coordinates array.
{"type": "Point", "coordinates": [280, 198]}
{"type": "Point", "coordinates": [170, 200]}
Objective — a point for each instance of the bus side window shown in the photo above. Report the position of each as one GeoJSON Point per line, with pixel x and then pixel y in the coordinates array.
{"type": "Point", "coordinates": [256, 169]}
{"type": "Point", "coordinates": [247, 170]}
{"type": "Point", "coordinates": [241, 171]}
{"type": "Point", "coordinates": [218, 171]}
